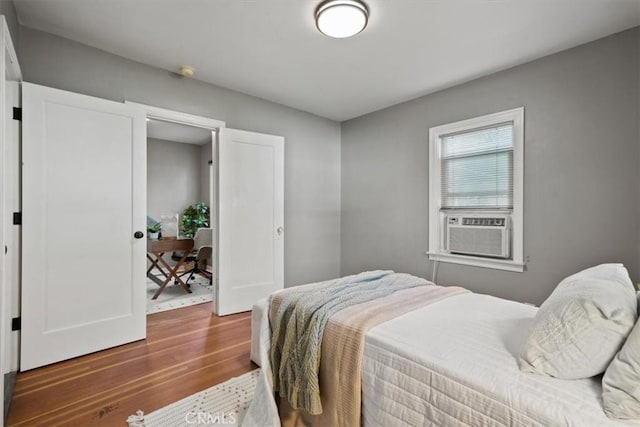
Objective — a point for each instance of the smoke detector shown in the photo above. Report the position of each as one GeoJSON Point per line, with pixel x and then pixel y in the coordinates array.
{"type": "Point", "coordinates": [186, 71]}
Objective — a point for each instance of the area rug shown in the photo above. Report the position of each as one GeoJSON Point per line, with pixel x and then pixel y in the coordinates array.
{"type": "Point", "coordinates": [223, 404]}
{"type": "Point", "coordinates": [174, 296]}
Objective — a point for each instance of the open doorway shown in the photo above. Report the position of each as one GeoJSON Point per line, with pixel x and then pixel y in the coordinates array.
{"type": "Point", "coordinates": [180, 206]}
{"type": "Point", "coordinates": [247, 210]}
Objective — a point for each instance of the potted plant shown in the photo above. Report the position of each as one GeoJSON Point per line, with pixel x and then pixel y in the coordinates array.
{"type": "Point", "coordinates": [194, 217]}
{"type": "Point", "coordinates": [154, 230]}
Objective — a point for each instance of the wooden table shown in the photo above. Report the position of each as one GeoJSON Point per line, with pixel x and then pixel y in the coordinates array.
{"type": "Point", "coordinates": [155, 250]}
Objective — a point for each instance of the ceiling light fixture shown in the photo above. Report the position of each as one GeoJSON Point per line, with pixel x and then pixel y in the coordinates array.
{"type": "Point", "coordinates": [341, 18]}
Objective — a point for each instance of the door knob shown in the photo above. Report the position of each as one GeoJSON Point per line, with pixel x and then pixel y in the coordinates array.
{"type": "Point", "coordinates": [280, 230]}
{"type": "Point", "coordinates": [138, 234]}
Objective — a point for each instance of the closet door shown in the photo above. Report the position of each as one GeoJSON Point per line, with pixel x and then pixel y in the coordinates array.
{"type": "Point", "coordinates": [84, 232]}
{"type": "Point", "coordinates": [250, 218]}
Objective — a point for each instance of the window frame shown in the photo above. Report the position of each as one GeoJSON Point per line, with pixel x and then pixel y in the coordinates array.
{"type": "Point", "coordinates": [436, 216]}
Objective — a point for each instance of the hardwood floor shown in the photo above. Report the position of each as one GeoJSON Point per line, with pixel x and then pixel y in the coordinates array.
{"type": "Point", "coordinates": [186, 351]}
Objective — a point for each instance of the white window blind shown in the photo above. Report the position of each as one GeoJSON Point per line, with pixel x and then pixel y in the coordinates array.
{"type": "Point", "coordinates": [477, 168]}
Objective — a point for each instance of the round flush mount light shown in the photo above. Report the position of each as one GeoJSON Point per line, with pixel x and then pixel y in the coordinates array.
{"type": "Point", "coordinates": [341, 18]}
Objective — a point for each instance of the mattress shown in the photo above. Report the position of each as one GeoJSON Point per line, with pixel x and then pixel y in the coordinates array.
{"type": "Point", "coordinates": [453, 363]}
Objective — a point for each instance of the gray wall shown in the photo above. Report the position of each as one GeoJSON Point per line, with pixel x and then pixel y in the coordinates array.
{"type": "Point", "coordinates": [312, 144]}
{"type": "Point", "coordinates": [581, 198]}
{"type": "Point", "coordinates": [582, 202]}
{"type": "Point", "coordinates": [9, 11]}
{"type": "Point", "coordinates": [173, 177]}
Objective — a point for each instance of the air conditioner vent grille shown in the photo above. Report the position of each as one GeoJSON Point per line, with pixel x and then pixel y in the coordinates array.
{"type": "Point", "coordinates": [483, 222]}
{"type": "Point", "coordinates": [483, 241]}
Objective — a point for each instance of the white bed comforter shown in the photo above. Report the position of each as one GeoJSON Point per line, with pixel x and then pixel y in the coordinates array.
{"type": "Point", "coordinates": [453, 363]}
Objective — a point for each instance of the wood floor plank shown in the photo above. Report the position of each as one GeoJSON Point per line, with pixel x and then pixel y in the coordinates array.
{"type": "Point", "coordinates": [172, 354]}
{"type": "Point", "coordinates": [169, 331]}
{"type": "Point", "coordinates": [186, 351]}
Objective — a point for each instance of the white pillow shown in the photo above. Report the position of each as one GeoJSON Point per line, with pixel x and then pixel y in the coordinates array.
{"type": "Point", "coordinates": [582, 325]}
{"type": "Point", "coordinates": [621, 382]}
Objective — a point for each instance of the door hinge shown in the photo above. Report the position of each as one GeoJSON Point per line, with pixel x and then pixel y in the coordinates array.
{"type": "Point", "coordinates": [17, 218]}
{"type": "Point", "coordinates": [16, 324]}
{"type": "Point", "coordinates": [17, 113]}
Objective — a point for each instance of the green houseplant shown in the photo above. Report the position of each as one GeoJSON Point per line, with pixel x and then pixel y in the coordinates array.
{"type": "Point", "coordinates": [153, 230]}
{"type": "Point", "coordinates": [194, 217]}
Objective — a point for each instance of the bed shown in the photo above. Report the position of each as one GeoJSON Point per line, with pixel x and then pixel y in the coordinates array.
{"type": "Point", "coordinates": [454, 363]}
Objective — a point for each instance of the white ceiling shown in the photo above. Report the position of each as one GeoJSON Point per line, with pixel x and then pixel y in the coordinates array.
{"type": "Point", "coordinates": [271, 49]}
{"type": "Point", "coordinates": [175, 132]}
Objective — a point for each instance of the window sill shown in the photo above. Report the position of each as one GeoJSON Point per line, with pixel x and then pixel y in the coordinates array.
{"type": "Point", "coordinates": [496, 264]}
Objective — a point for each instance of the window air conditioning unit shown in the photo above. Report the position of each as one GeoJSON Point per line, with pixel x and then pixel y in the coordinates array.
{"type": "Point", "coordinates": [484, 235]}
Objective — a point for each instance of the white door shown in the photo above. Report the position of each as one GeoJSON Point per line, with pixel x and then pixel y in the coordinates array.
{"type": "Point", "coordinates": [250, 218]}
{"type": "Point", "coordinates": [84, 203]}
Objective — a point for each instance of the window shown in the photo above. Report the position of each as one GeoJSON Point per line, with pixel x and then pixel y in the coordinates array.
{"type": "Point", "coordinates": [475, 202]}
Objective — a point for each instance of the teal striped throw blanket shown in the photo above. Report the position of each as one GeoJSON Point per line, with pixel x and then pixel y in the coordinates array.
{"type": "Point", "coordinates": [298, 317]}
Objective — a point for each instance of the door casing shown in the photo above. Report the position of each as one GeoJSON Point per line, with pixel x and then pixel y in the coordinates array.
{"type": "Point", "coordinates": [9, 72]}
{"type": "Point", "coordinates": [186, 119]}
